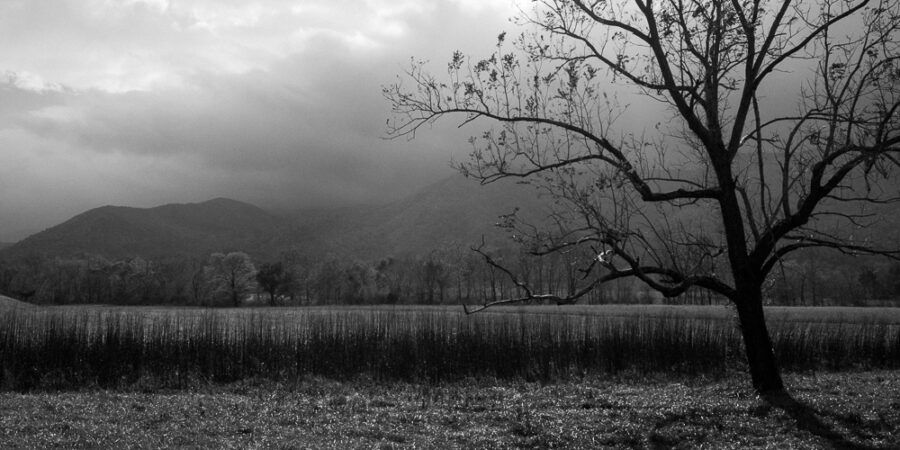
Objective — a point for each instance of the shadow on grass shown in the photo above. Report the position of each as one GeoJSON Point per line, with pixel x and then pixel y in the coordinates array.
{"type": "Point", "coordinates": [809, 419]}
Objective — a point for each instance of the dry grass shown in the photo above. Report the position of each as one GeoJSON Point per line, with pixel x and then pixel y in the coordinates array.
{"type": "Point", "coordinates": [843, 410]}
{"type": "Point", "coordinates": [774, 314]}
{"type": "Point", "coordinates": [113, 347]}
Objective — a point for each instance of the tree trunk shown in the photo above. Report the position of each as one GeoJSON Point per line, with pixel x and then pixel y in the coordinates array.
{"type": "Point", "coordinates": [760, 356]}
{"type": "Point", "coordinates": [764, 370]}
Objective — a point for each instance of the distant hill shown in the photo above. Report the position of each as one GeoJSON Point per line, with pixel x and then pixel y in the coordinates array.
{"type": "Point", "coordinates": [454, 211]}
{"type": "Point", "coordinates": [170, 230]}
{"type": "Point", "coordinates": [4, 245]}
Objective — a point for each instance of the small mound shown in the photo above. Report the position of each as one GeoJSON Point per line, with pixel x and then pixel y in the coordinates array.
{"type": "Point", "coordinates": [6, 302]}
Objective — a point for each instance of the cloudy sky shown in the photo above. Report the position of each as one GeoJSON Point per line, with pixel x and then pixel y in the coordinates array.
{"type": "Point", "coordinates": [146, 102]}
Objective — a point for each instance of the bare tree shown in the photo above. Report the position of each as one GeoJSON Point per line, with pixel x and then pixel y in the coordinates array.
{"type": "Point", "coordinates": [775, 130]}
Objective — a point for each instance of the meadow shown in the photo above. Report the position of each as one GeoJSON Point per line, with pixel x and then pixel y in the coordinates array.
{"type": "Point", "coordinates": [153, 347]}
{"type": "Point", "coordinates": [850, 410]}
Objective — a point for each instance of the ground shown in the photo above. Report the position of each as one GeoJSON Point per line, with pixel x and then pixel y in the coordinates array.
{"type": "Point", "coordinates": [832, 410]}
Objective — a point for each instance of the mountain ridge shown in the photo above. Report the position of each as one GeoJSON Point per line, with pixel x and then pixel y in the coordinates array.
{"type": "Point", "coordinates": [450, 212]}
{"type": "Point", "coordinates": [166, 230]}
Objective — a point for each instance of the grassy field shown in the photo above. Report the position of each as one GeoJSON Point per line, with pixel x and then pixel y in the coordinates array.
{"type": "Point", "coordinates": [74, 347]}
{"type": "Point", "coordinates": [808, 314]}
{"type": "Point", "coordinates": [832, 410]}
{"type": "Point", "coordinates": [432, 377]}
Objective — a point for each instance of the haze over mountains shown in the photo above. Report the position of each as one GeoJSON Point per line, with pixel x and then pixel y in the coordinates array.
{"type": "Point", "coordinates": [453, 211]}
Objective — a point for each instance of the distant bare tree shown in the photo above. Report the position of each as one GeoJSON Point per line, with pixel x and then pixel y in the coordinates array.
{"type": "Point", "coordinates": [732, 173]}
{"type": "Point", "coordinates": [434, 276]}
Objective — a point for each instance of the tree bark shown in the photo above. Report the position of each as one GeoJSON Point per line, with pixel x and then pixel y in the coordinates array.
{"type": "Point", "coordinates": [764, 370]}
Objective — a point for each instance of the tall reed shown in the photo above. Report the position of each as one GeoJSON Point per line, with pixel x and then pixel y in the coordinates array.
{"type": "Point", "coordinates": [175, 348]}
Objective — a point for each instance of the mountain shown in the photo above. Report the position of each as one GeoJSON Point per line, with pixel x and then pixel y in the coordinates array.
{"type": "Point", "coordinates": [170, 230]}
{"type": "Point", "coordinates": [4, 245]}
{"type": "Point", "coordinates": [451, 212]}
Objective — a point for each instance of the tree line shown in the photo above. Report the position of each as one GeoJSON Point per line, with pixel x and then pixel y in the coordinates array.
{"type": "Point", "coordinates": [233, 279]}
{"type": "Point", "coordinates": [443, 276]}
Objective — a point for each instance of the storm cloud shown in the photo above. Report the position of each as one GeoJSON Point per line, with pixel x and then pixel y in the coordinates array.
{"type": "Point", "coordinates": [273, 102]}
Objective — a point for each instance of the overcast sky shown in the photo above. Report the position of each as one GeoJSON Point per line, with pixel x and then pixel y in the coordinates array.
{"type": "Point", "coordinates": [146, 102]}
